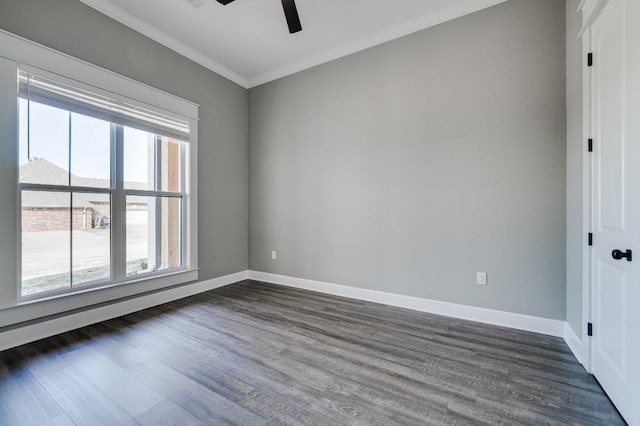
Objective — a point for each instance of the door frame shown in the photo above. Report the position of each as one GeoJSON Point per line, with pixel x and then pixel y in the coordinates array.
{"type": "Point", "coordinates": [590, 9]}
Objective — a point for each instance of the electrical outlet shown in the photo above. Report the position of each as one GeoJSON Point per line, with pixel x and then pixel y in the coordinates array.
{"type": "Point", "coordinates": [274, 255]}
{"type": "Point", "coordinates": [113, 295]}
{"type": "Point", "coordinates": [481, 278]}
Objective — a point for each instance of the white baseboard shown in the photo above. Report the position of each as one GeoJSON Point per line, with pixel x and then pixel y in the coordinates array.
{"type": "Point", "coordinates": [574, 342]}
{"type": "Point", "coordinates": [488, 316]}
{"type": "Point", "coordinates": [39, 330]}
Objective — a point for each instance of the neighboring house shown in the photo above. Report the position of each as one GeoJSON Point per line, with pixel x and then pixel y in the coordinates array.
{"type": "Point", "coordinates": [49, 211]}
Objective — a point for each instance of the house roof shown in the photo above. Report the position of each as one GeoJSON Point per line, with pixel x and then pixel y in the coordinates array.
{"type": "Point", "coordinates": [41, 171]}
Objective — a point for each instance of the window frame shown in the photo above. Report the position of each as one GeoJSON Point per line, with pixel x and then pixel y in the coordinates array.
{"type": "Point", "coordinates": [22, 52]}
{"type": "Point", "coordinates": [117, 195]}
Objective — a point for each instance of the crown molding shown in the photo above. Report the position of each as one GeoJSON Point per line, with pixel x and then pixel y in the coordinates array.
{"type": "Point", "coordinates": [429, 20]}
{"type": "Point", "coordinates": [114, 12]}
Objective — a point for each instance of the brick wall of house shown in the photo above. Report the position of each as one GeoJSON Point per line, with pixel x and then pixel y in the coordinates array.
{"type": "Point", "coordinates": [57, 218]}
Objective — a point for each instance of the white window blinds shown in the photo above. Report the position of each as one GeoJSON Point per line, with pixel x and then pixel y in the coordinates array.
{"type": "Point", "coordinates": [45, 90]}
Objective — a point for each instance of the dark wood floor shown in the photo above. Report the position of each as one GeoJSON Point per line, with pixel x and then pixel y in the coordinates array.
{"type": "Point", "coordinates": [255, 353]}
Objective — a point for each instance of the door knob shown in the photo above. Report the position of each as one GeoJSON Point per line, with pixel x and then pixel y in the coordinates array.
{"type": "Point", "coordinates": [619, 254]}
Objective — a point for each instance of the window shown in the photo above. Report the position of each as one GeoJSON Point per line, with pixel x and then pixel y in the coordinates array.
{"type": "Point", "coordinates": [103, 187]}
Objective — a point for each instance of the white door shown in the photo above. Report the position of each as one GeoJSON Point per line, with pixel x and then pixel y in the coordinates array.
{"type": "Point", "coordinates": [615, 83]}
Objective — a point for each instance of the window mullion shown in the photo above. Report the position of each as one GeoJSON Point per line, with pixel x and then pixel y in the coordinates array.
{"type": "Point", "coordinates": [158, 180]}
{"type": "Point", "coordinates": [70, 205]}
{"type": "Point", "coordinates": [28, 130]}
{"type": "Point", "coordinates": [184, 232]}
{"type": "Point", "coordinates": [119, 206]}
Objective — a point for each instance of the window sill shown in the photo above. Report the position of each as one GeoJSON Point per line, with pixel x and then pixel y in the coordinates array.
{"type": "Point", "coordinates": [34, 308]}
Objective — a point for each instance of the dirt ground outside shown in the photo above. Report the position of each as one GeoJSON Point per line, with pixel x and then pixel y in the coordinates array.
{"type": "Point", "coordinates": [46, 264]}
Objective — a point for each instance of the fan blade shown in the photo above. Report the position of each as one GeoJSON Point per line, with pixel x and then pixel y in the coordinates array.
{"type": "Point", "coordinates": [225, 2]}
{"type": "Point", "coordinates": [291, 13]}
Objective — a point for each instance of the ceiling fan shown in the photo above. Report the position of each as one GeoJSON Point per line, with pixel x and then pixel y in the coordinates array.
{"type": "Point", "coordinates": [290, 12]}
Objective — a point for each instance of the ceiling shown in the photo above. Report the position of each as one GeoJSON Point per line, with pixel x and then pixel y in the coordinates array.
{"type": "Point", "coordinates": [248, 42]}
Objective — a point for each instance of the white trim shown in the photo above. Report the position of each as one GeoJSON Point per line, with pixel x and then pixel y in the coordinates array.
{"type": "Point", "coordinates": [16, 310]}
{"type": "Point", "coordinates": [582, 5]}
{"type": "Point", "coordinates": [587, 196]}
{"type": "Point", "coordinates": [429, 20]}
{"type": "Point", "coordinates": [575, 344]}
{"type": "Point", "coordinates": [434, 18]}
{"type": "Point", "coordinates": [27, 52]}
{"type": "Point", "coordinates": [163, 38]}
{"type": "Point", "coordinates": [590, 11]}
{"type": "Point", "coordinates": [488, 316]}
{"type": "Point", "coordinates": [190, 182]}
{"type": "Point", "coordinates": [47, 328]}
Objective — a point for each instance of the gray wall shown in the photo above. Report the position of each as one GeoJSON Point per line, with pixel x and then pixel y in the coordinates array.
{"type": "Point", "coordinates": [575, 163]}
{"type": "Point", "coordinates": [404, 168]}
{"type": "Point", "coordinates": [73, 28]}
{"type": "Point", "coordinates": [409, 166]}
{"type": "Point", "coordinates": [8, 173]}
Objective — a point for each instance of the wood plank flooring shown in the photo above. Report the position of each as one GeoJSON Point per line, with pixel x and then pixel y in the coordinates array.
{"type": "Point", "coordinates": [254, 353]}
